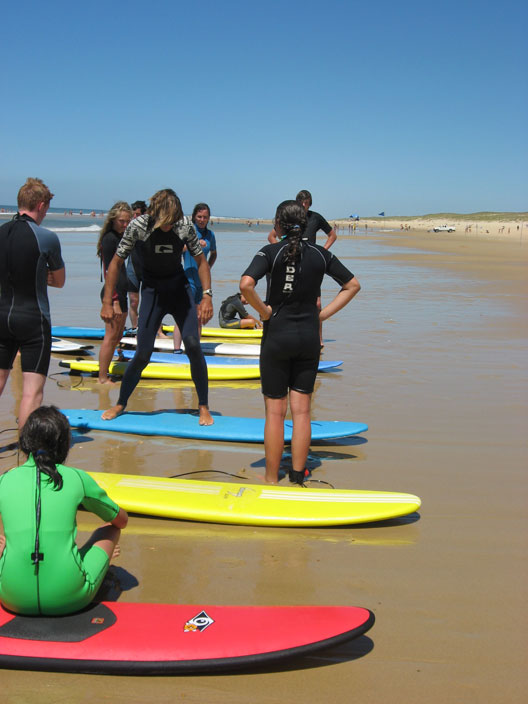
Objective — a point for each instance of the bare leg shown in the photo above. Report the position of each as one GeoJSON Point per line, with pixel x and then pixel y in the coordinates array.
{"type": "Point", "coordinates": [106, 537]}
{"type": "Point", "coordinates": [300, 405]}
{"type": "Point", "coordinates": [274, 436]}
{"type": "Point", "coordinates": [176, 338]}
{"type": "Point", "coordinates": [4, 375]}
{"type": "Point", "coordinates": [133, 299]}
{"type": "Point", "coordinates": [113, 333]}
{"type": "Point", "coordinates": [32, 394]}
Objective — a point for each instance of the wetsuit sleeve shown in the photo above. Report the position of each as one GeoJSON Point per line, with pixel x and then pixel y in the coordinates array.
{"type": "Point", "coordinates": [338, 271]}
{"type": "Point", "coordinates": [128, 240]}
{"type": "Point", "coordinates": [96, 499]}
{"type": "Point", "coordinates": [53, 250]}
{"type": "Point", "coordinates": [237, 304]}
{"type": "Point", "coordinates": [260, 266]}
{"type": "Point", "coordinates": [212, 241]}
{"type": "Point", "coordinates": [323, 224]}
{"type": "Point", "coordinates": [108, 249]}
{"type": "Point", "coordinates": [187, 233]}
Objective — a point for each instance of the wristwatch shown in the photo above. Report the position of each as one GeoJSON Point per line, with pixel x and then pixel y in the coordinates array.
{"type": "Point", "coordinates": [209, 292]}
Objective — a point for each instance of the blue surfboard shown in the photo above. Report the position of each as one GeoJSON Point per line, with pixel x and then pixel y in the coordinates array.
{"type": "Point", "coordinates": [73, 332]}
{"type": "Point", "coordinates": [185, 425]}
{"type": "Point", "coordinates": [171, 358]}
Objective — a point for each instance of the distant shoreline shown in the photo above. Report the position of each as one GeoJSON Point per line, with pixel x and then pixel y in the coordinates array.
{"type": "Point", "coordinates": [486, 225]}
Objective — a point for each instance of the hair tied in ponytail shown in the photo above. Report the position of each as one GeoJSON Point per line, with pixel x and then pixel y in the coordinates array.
{"type": "Point", "coordinates": [39, 453]}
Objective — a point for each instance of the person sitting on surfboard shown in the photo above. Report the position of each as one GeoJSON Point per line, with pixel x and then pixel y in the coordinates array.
{"type": "Point", "coordinates": [42, 571]}
{"type": "Point", "coordinates": [159, 237]}
{"type": "Point", "coordinates": [290, 346]}
{"type": "Point", "coordinates": [232, 307]}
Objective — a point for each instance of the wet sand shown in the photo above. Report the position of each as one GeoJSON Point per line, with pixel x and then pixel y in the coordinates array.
{"type": "Point", "coordinates": [434, 351]}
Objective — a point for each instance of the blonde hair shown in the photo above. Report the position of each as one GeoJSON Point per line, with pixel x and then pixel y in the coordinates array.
{"type": "Point", "coordinates": [165, 207]}
{"type": "Point", "coordinates": [120, 207]}
{"type": "Point", "coordinates": [33, 192]}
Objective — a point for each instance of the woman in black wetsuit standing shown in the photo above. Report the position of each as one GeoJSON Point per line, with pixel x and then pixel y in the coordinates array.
{"type": "Point", "coordinates": [113, 228]}
{"type": "Point", "coordinates": [158, 238]}
{"type": "Point", "coordinates": [290, 347]}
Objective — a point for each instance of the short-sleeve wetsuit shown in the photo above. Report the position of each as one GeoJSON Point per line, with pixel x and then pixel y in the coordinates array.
{"type": "Point", "coordinates": [191, 267]}
{"type": "Point", "coordinates": [67, 578]}
{"type": "Point", "coordinates": [315, 223]}
{"type": "Point", "coordinates": [27, 252]}
{"type": "Point", "coordinates": [164, 291]}
{"type": "Point", "coordinates": [229, 310]}
{"type": "Point", "coordinates": [290, 347]}
{"type": "Point", "coordinates": [108, 249]}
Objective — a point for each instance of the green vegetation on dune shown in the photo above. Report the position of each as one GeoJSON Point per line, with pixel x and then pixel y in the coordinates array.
{"type": "Point", "coordinates": [472, 217]}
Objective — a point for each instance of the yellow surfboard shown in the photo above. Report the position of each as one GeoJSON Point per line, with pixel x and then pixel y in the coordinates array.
{"type": "Point", "coordinates": [167, 371]}
{"type": "Point", "coordinates": [225, 332]}
{"type": "Point", "coordinates": [252, 504]}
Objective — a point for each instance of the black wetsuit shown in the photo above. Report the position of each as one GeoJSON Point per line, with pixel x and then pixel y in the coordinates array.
{"type": "Point", "coordinates": [315, 223]}
{"type": "Point", "coordinates": [164, 290]}
{"type": "Point", "coordinates": [290, 347]}
{"type": "Point", "coordinates": [108, 248]}
{"type": "Point", "coordinates": [229, 310]}
{"type": "Point", "coordinates": [27, 252]}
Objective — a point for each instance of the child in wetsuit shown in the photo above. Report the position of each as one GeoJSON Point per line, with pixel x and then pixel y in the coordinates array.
{"type": "Point", "coordinates": [42, 571]}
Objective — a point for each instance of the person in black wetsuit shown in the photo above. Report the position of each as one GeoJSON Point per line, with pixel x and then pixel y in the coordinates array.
{"type": "Point", "coordinates": [30, 261]}
{"type": "Point", "coordinates": [113, 228]}
{"type": "Point", "coordinates": [158, 238]}
{"type": "Point", "coordinates": [232, 314]}
{"type": "Point", "coordinates": [315, 222]}
{"type": "Point", "coordinates": [290, 344]}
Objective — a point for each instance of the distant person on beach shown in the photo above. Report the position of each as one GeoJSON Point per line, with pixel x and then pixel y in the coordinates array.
{"type": "Point", "coordinates": [112, 230]}
{"type": "Point", "coordinates": [316, 222]}
{"type": "Point", "coordinates": [139, 207]}
{"type": "Point", "coordinates": [232, 314]}
{"type": "Point", "coordinates": [200, 217]}
{"type": "Point", "coordinates": [30, 261]}
{"type": "Point", "coordinates": [290, 348]}
{"type": "Point", "coordinates": [159, 237]}
{"type": "Point", "coordinates": [42, 571]}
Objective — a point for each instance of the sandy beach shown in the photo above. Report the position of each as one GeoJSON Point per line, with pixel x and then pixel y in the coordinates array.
{"type": "Point", "coordinates": [434, 360]}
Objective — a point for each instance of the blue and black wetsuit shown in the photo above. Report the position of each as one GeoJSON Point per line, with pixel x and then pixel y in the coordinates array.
{"type": "Point", "coordinates": [164, 291]}
{"type": "Point", "coordinates": [27, 252]}
{"type": "Point", "coordinates": [290, 347]}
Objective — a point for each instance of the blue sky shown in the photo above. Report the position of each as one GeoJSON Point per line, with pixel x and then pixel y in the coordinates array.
{"type": "Point", "coordinates": [405, 107]}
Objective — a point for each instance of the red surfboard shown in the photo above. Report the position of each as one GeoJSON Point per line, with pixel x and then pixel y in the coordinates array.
{"type": "Point", "coordinates": [128, 638]}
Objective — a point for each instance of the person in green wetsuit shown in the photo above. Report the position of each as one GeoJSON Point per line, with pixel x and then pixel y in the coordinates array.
{"type": "Point", "coordinates": [42, 571]}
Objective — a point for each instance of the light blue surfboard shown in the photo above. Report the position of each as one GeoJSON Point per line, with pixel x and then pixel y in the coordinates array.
{"type": "Point", "coordinates": [185, 425]}
{"type": "Point", "coordinates": [168, 358]}
{"type": "Point", "coordinates": [83, 333]}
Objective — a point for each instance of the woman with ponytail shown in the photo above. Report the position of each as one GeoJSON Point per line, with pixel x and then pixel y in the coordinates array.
{"type": "Point", "coordinates": [42, 571]}
{"type": "Point", "coordinates": [290, 347]}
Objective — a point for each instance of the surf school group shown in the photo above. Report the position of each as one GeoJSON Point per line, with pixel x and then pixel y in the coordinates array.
{"type": "Point", "coordinates": [159, 261]}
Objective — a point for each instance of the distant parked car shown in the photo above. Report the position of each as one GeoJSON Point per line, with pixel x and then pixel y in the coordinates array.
{"type": "Point", "coordinates": [444, 228]}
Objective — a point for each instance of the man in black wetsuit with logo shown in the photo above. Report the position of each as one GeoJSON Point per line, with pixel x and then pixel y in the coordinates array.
{"type": "Point", "coordinates": [30, 261]}
{"type": "Point", "coordinates": [158, 238]}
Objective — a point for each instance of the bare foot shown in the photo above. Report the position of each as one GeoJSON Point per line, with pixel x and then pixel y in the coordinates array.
{"type": "Point", "coordinates": [2, 543]}
{"type": "Point", "coordinates": [205, 417]}
{"type": "Point", "coordinates": [107, 381]}
{"type": "Point", "coordinates": [113, 412]}
{"type": "Point", "coordinates": [117, 551]}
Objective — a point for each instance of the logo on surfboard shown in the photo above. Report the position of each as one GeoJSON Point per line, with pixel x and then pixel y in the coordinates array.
{"type": "Point", "coordinates": [198, 623]}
